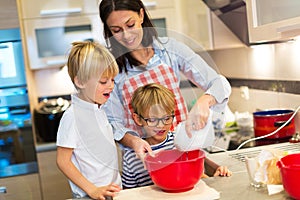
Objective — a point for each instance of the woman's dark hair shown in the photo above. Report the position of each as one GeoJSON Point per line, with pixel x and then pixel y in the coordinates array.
{"type": "Point", "coordinates": [120, 52]}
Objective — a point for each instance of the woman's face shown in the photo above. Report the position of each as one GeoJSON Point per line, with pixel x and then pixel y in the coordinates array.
{"type": "Point", "coordinates": [126, 27]}
{"type": "Point", "coordinates": [96, 90]}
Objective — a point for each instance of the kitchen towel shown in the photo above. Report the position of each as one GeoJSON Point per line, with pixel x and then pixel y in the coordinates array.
{"type": "Point", "coordinates": [274, 189]}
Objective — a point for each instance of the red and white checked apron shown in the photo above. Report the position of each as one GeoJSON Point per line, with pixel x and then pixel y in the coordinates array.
{"type": "Point", "coordinates": [163, 75]}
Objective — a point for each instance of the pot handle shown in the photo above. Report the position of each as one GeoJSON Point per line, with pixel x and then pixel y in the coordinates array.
{"type": "Point", "coordinates": [280, 123]}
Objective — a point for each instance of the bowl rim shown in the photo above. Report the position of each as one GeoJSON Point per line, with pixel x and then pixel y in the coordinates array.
{"type": "Point", "coordinates": [148, 156]}
{"type": "Point", "coordinates": [281, 164]}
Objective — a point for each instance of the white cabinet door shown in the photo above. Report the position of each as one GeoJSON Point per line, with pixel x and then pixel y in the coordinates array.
{"type": "Point", "coordinates": [167, 12]}
{"type": "Point", "coordinates": [272, 20]}
{"type": "Point", "coordinates": [48, 8]}
{"type": "Point", "coordinates": [198, 23]}
{"type": "Point", "coordinates": [206, 28]}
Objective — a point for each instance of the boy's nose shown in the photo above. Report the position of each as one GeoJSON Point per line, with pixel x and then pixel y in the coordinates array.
{"type": "Point", "coordinates": [160, 123]}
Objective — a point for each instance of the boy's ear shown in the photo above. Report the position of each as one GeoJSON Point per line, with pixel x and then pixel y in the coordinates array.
{"type": "Point", "coordinates": [137, 119]}
{"type": "Point", "coordinates": [78, 83]}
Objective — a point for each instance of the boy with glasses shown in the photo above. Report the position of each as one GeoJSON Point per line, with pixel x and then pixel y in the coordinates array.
{"type": "Point", "coordinates": [152, 108]}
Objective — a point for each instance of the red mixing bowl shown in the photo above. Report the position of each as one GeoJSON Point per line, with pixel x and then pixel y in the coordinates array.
{"type": "Point", "coordinates": [174, 170]}
{"type": "Point", "coordinates": [290, 173]}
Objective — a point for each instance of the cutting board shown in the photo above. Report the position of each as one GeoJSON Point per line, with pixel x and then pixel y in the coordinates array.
{"type": "Point", "coordinates": [200, 191]}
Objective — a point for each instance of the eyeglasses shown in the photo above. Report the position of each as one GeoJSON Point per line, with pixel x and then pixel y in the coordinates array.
{"type": "Point", "coordinates": [152, 122]}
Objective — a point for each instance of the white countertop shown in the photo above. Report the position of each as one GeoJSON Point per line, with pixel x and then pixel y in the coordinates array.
{"type": "Point", "coordinates": [228, 188]}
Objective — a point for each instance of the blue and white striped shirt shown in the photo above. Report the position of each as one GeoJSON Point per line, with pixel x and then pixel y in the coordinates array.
{"type": "Point", "coordinates": [134, 174]}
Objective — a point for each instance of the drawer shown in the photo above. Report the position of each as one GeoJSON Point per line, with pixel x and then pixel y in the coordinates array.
{"type": "Point", "coordinates": [21, 187]}
{"type": "Point", "coordinates": [158, 4]}
{"type": "Point", "coordinates": [48, 8]}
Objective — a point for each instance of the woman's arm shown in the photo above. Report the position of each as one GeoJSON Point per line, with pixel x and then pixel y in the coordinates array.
{"type": "Point", "coordinates": [115, 114]}
{"type": "Point", "coordinates": [127, 137]}
{"type": "Point", "coordinates": [215, 86]}
{"type": "Point", "coordinates": [198, 71]}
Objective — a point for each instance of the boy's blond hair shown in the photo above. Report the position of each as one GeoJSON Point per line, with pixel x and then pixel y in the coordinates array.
{"type": "Point", "coordinates": [90, 59]}
{"type": "Point", "coordinates": [150, 95]}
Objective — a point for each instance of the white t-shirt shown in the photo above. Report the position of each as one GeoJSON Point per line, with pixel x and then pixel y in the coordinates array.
{"type": "Point", "coordinates": [85, 128]}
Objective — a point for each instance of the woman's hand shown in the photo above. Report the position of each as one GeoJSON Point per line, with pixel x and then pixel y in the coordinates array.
{"type": "Point", "coordinates": [222, 171]}
{"type": "Point", "coordinates": [198, 116]}
{"type": "Point", "coordinates": [102, 192]}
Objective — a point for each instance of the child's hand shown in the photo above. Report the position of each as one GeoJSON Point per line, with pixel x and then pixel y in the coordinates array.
{"type": "Point", "coordinates": [222, 171]}
{"type": "Point", "coordinates": [101, 192]}
{"type": "Point", "coordinates": [141, 147]}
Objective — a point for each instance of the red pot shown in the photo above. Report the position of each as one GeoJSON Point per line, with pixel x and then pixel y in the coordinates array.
{"type": "Point", "coordinates": [265, 122]}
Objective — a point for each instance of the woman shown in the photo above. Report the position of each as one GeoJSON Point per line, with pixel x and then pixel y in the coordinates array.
{"type": "Point", "coordinates": [143, 58]}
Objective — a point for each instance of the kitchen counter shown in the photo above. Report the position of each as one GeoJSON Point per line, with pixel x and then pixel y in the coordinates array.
{"type": "Point", "coordinates": [230, 188]}
{"type": "Point", "coordinates": [46, 146]}
{"type": "Point", "coordinates": [238, 185]}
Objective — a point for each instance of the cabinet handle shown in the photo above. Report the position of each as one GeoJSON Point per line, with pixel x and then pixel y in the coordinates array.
{"type": "Point", "coordinates": [2, 189]}
{"type": "Point", "coordinates": [289, 31]}
{"type": "Point", "coordinates": [56, 62]}
{"type": "Point", "coordinates": [3, 46]}
{"type": "Point", "coordinates": [150, 4]}
{"type": "Point", "coordinates": [60, 11]}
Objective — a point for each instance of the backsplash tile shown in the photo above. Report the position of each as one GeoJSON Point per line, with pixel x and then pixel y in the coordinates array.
{"type": "Point", "coordinates": [292, 87]}
{"type": "Point", "coordinates": [261, 62]}
{"type": "Point", "coordinates": [287, 61]}
{"type": "Point", "coordinates": [270, 71]}
{"type": "Point", "coordinates": [258, 100]}
{"type": "Point", "coordinates": [289, 100]}
{"type": "Point", "coordinates": [231, 62]}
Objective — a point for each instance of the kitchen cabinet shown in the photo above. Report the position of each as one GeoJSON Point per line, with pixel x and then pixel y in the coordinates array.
{"type": "Point", "coordinates": [273, 20]}
{"type": "Point", "coordinates": [50, 27]}
{"type": "Point", "coordinates": [206, 28]}
{"type": "Point", "coordinates": [54, 185]}
{"type": "Point", "coordinates": [192, 23]}
{"type": "Point", "coordinates": [200, 23]}
{"type": "Point", "coordinates": [8, 14]}
{"type": "Point", "coordinates": [49, 39]}
{"type": "Point", "coordinates": [47, 8]}
{"type": "Point", "coordinates": [21, 187]}
{"type": "Point", "coordinates": [162, 14]}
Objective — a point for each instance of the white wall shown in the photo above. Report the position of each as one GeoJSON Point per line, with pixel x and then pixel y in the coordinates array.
{"type": "Point", "coordinates": [267, 62]}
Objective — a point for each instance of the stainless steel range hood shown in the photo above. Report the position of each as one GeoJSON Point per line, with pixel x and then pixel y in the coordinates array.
{"type": "Point", "coordinates": [233, 14]}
